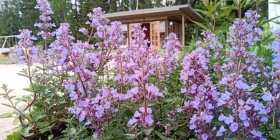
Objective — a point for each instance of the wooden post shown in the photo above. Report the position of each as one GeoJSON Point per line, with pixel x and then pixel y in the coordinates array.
{"type": "Point", "coordinates": [183, 30]}
{"type": "Point", "coordinates": [128, 35]}
{"type": "Point", "coordinates": [166, 28]}
{"type": "Point", "coordinates": [137, 4]}
{"type": "Point", "coordinates": [4, 42]}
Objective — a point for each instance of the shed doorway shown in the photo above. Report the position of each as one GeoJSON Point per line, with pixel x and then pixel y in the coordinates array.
{"type": "Point", "coordinates": [152, 33]}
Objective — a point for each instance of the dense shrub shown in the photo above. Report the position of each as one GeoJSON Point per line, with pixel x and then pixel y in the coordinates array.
{"type": "Point", "coordinates": [97, 90]}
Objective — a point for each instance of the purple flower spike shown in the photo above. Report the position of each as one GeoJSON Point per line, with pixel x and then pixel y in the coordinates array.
{"type": "Point", "coordinates": [45, 18]}
{"type": "Point", "coordinates": [27, 53]}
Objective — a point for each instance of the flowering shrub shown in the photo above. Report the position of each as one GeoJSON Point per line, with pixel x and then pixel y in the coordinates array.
{"type": "Point", "coordinates": [95, 89]}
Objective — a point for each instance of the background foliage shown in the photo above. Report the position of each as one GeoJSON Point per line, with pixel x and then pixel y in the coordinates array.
{"type": "Point", "coordinates": [19, 14]}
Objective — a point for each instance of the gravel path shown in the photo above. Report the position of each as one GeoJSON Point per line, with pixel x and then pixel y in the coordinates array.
{"type": "Point", "coordinates": [8, 75]}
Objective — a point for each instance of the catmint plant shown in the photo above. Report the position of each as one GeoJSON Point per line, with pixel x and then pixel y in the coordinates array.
{"type": "Point", "coordinates": [93, 104]}
{"type": "Point", "coordinates": [224, 93]}
{"type": "Point", "coordinates": [272, 95]}
{"type": "Point", "coordinates": [45, 25]}
{"type": "Point", "coordinates": [142, 62]}
{"type": "Point", "coordinates": [169, 61]}
{"type": "Point", "coordinates": [28, 54]}
{"type": "Point", "coordinates": [201, 91]}
{"type": "Point", "coordinates": [245, 112]}
{"type": "Point", "coordinates": [275, 63]}
{"type": "Point", "coordinates": [135, 66]}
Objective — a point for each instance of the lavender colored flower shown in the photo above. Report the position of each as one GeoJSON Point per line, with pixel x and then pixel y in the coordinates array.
{"type": "Point", "coordinates": [274, 97]}
{"type": "Point", "coordinates": [203, 94]}
{"type": "Point", "coordinates": [98, 19]}
{"type": "Point", "coordinates": [228, 120]}
{"type": "Point", "coordinates": [94, 109]}
{"type": "Point", "coordinates": [27, 53]}
{"type": "Point", "coordinates": [45, 18]}
{"type": "Point", "coordinates": [25, 38]}
{"type": "Point", "coordinates": [115, 35]}
{"type": "Point", "coordinates": [221, 131]}
{"type": "Point", "coordinates": [240, 85]}
{"type": "Point", "coordinates": [93, 103]}
{"type": "Point", "coordinates": [83, 31]}
{"type": "Point", "coordinates": [135, 69]}
{"type": "Point", "coordinates": [168, 60]}
{"type": "Point", "coordinates": [243, 33]}
{"type": "Point", "coordinates": [267, 96]}
{"type": "Point", "coordinates": [153, 92]}
{"type": "Point", "coordinates": [61, 46]}
{"type": "Point", "coordinates": [257, 134]}
{"type": "Point", "coordinates": [211, 43]}
{"type": "Point", "coordinates": [204, 136]}
{"type": "Point", "coordinates": [233, 127]}
{"type": "Point", "coordinates": [142, 118]}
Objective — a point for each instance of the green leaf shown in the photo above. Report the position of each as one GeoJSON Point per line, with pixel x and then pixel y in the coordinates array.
{"type": "Point", "coordinates": [12, 97]}
{"type": "Point", "coordinates": [14, 136]}
{"type": "Point", "coordinates": [50, 137]}
{"type": "Point", "coordinates": [73, 131]}
{"type": "Point", "coordinates": [17, 113]}
{"type": "Point", "coordinates": [21, 108]}
{"type": "Point", "coordinates": [148, 131]}
{"type": "Point", "coordinates": [26, 131]}
{"type": "Point", "coordinates": [9, 91]}
{"type": "Point", "coordinates": [26, 98]}
{"type": "Point", "coordinates": [206, 3]}
{"type": "Point", "coordinates": [270, 20]}
{"type": "Point", "coordinates": [217, 5]}
{"type": "Point", "coordinates": [231, 138]}
{"type": "Point", "coordinates": [277, 2]}
{"type": "Point", "coordinates": [276, 22]}
{"type": "Point", "coordinates": [247, 2]}
{"type": "Point", "coordinates": [130, 136]}
{"type": "Point", "coordinates": [7, 105]}
{"type": "Point", "coordinates": [16, 121]}
{"type": "Point", "coordinates": [23, 74]}
{"type": "Point", "coordinates": [180, 133]}
{"type": "Point", "coordinates": [38, 117]}
{"type": "Point", "coordinates": [160, 135]}
{"type": "Point", "coordinates": [276, 134]}
{"type": "Point", "coordinates": [204, 12]}
{"type": "Point", "coordinates": [201, 25]}
{"type": "Point", "coordinates": [6, 115]}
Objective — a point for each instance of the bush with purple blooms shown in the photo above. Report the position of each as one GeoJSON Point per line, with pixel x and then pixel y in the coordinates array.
{"type": "Point", "coordinates": [96, 90]}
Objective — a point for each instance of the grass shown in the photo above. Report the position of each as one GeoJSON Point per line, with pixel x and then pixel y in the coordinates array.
{"type": "Point", "coordinates": [4, 59]}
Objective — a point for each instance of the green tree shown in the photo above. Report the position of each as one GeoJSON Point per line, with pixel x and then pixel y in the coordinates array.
{"type": "Point", "coordinates": [179, 2]}
{"type": "Point", "coordinates": [113, 6]}
{"type": "Point", "coordinates": [158, 3]}
{"type": "Point", "coordinates": [124, 5]}
{"type": "Point", "coordinates": [29, 16]}
{"type": "Point", "coordinates": [143, 4]}
{"type": "Point", "coordinates": [61, 9]}
{"type": "Point", "coordinates": [9, 17]}
{"type": "Point", "coordinates": [76, 19]}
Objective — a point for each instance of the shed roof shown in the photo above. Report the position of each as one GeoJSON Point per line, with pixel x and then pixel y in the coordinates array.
{"type": "Point", "coordinates": [171, 11]}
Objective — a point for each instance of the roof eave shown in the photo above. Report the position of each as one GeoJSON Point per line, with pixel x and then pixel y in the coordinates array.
{"type": "Point", "coordinates": [192, 14]}
{"type": "Point", "coordinates": [154, 12]}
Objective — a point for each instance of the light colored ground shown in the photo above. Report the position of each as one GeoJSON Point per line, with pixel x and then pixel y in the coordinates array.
{"type": "Point", "coordinates": [8, 75]}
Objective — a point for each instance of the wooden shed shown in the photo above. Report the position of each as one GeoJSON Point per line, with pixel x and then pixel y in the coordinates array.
{"type": "Point", "coordinates": [158, 21]}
